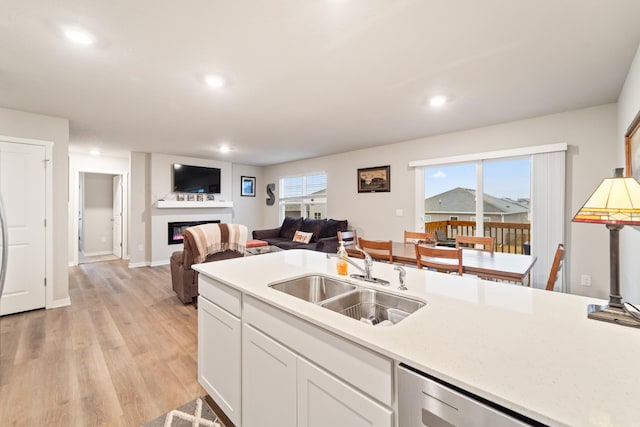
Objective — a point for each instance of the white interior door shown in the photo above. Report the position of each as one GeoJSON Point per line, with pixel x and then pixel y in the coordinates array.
{"type": "Point", "coordinates": [22, 184]}
{"type": "Point", "coordinates": [117, 215]}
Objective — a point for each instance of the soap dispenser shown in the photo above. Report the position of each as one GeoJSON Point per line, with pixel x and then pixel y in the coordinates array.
{"type": "Point", "coordinates": [342, 266]}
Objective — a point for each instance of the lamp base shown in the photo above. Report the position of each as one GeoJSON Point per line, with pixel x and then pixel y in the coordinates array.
{"type": "Point", "coordinates": [612, 314]}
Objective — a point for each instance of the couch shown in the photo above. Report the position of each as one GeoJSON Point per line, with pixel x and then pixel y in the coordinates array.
{"type": "Point", "coordinates": [184, 280]}
{"type": "Point", "coordinates": [324, 234]}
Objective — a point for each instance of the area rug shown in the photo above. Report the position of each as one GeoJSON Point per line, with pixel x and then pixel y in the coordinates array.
{"type": "Point", "coordinates": [193, 414]}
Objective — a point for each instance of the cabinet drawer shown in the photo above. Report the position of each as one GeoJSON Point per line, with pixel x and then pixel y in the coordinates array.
{"type": "Point", "coordinates": [358, 366]}
{"type": "Point", "coordinates": [224, 296]}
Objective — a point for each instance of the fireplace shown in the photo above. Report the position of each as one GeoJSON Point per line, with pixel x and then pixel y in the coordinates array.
{"type": "Point", "coordinates": [175, 229]}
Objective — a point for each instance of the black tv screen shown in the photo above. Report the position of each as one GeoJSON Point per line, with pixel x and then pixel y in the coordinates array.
{"type": "Point", "coordinates": [195, 179]}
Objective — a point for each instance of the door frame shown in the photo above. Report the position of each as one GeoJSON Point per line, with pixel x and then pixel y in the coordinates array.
{"type": "Point", "coordinates": [48, 213]}
{"type": "Point", "coordinates": [75, 205]}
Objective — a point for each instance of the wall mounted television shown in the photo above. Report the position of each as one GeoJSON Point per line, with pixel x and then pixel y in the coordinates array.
{"type": "Point", "coordinates": [195, 179]}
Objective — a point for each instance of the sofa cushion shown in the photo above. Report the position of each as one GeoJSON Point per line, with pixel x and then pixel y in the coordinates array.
{"type": "Point", "coordinates": [315, 226]}
{"type": "Point", "coordinates": [302, 237]}
{"type": "Point", "coordinates": [289, 227]}
{"type": "Point", "coordinates": [333, 226]}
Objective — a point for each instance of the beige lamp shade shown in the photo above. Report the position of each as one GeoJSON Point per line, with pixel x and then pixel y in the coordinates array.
{"type": "Point", "coordinates": [615, 201]}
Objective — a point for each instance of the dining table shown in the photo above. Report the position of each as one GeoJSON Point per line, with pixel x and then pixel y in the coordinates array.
{"type": "Point", "coordinates": [495, 266]}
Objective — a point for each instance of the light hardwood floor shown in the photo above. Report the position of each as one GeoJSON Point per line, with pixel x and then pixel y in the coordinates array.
{"type": "Point", "coordinates": [122, 354]}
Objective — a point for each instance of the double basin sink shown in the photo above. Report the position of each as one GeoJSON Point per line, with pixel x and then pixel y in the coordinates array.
{"type": "Point", "coordinates": [367, 305]}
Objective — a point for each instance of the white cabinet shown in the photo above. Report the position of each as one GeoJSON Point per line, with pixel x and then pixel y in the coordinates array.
{"type": "Point", "coordinates": [219, 353]}
{"type": "Point", "coordinates": [323, 400]}
{"type": "Point", "coordinates": [268, 381]}
{"type": "Point", "coordinates": [296, 374]}
{"type": "Point", "coordinates": [266, 367]}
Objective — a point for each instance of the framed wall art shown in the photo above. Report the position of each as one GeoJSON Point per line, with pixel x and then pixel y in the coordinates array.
{"type": "Point", "coordinates": [374, 180]}
{"type": "Point", "coordinates": [632, 148]}
{"type": "Point", "coordinates": [248, 186]}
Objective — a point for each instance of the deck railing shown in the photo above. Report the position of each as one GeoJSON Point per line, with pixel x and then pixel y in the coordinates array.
{"type": "Point", "coordinates": [511, 237]}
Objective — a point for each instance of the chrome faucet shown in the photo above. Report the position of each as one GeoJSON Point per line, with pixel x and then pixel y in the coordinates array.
{"type": "Point", "coordinates": [352, 262]}
{"type": "Point", "coordinates": [368, 262]}
{"type": "Point", "coordinates": [403, 274]}
{"type": "Point", "coordinates": [366, 271]}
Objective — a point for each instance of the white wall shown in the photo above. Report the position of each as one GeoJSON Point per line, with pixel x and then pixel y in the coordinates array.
{"type": "Point", "coordinates": [628, 107]}
{"type": "Point", "coordinates": [36, 126]}
{"type": "Point", "coordinates": [97, 214]}
{"type": "Point", "coordinates": [151, 176]}
{"type": "Point", "coordinates": [248, 210]}
{"type": "Point", "coordinates": [590, 134]}
{"type": "Point", "coordinates": [140, 207]}
{"type": "Point", "coordinates": [161, 178]}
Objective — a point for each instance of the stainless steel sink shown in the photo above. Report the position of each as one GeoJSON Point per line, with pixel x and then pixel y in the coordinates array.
{"type": "Point", "coordinates": [314, 288]}
{"type": "Point", "coordinates": [373, 306]}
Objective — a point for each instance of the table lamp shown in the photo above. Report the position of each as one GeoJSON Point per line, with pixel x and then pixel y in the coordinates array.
{"type": "Point", "coordinates": [615, 203]}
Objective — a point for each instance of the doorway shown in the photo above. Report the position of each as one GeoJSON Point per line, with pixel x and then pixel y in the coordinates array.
{"type": "Point", "coordinates": [100, 210]}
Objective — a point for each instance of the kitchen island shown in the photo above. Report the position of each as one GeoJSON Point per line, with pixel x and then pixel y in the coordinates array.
{"type": "Point", "coordinates": [531, 351]}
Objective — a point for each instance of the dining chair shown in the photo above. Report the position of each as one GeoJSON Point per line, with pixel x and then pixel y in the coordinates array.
{"type": "Point", "coordinates": [555, 267]}
{"type": "Point", "coordinates": [417, 237]}
{"type": "Point", "coordinates": [380, 250]}
{"type": "Point", "coordinates": [486, 242]}
{"type": "Point", "coordinates": [439, 259]}
{"type": "Point", "coordinates": [443, 240]}
{"type": "Point", "coordinates": [350, 240]}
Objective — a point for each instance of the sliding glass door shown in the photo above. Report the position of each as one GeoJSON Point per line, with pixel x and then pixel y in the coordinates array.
{"type": "Point", "coordinates": [481, 198]}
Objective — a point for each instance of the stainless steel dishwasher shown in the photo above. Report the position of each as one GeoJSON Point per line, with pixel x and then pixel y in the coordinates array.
{"type": "Point", "coordinates": [427, 401]}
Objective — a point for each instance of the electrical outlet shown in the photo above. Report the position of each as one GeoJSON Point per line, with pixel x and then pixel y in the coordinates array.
{"type": "Point", "coordinates": [585, 280]}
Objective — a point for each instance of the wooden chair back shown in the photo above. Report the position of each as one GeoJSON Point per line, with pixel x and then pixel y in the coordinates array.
{"type": "Point", "coordinates": [417, 237]}
{"type": "Point", "coordinates": [439, 259]}
{"type": "Point", "coordinates": [555, 267]}
{"type": "Point", "coordinates": [443, 240]}
{"type": "Point", "coordinates": [486, 242]}
{"type": "Point", "coordinates": [350, 239]}
{"type": "Point", "coordinates": [381, 250]}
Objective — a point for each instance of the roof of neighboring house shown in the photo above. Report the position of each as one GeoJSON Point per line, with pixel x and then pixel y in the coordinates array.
{"type": "Point", "coordinates": [463, 200]}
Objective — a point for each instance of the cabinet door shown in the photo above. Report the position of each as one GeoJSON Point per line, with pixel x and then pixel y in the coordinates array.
{"type": "Point", "coordinates": [268, 381]}
{"type": "Point", "coordinates": [323, 400]}
{"type": "Point", "coordinates": [219, 357]}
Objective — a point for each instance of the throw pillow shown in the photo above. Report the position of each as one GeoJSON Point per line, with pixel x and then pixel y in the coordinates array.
{"type": "Point", "coordinates": [302, 237]}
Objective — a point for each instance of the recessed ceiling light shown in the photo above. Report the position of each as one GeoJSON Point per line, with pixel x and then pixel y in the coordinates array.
{"type": "Point", "coordinates": [438, 101]}
{"type": "Point", "coordinates": [94, 152]}
{"type": "Point", "coordinates": [79, 36]}
{"type": "Point", "coordinates": [224, 149]}
{"type": "Point", "coordinates": [214, 81]}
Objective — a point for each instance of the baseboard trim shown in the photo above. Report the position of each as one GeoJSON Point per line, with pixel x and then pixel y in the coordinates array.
{"type": "Point", "coordinates": [138, 264]}
{"type": "Point", "coordinates": [97, 253]}
{"type": "Point", "coordinates": [64, 302]}
{"type": "Point", "coordinates": [159, 263]}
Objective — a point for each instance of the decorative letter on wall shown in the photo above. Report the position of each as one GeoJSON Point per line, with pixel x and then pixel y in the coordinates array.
{"type": "Point", "coordinates": [272, 197]}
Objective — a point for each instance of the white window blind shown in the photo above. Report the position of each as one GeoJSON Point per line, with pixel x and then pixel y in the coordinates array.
{"type": "Point", "coordinates": [304, 185]}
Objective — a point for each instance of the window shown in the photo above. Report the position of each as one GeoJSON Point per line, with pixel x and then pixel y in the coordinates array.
{"type": "Point", "coordinates": [494, 194]}
{"type": "Point", "coordinates": [304, 195]}
{"type": "Point", "coordinates": [540, 210]}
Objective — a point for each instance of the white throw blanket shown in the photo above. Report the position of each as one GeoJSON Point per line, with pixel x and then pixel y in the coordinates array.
{"type": "Point", "coordinates": [207, 239]}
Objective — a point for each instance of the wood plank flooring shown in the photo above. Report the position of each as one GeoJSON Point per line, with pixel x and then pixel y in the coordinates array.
{"type": "Point", "coordinates": [122, 354]}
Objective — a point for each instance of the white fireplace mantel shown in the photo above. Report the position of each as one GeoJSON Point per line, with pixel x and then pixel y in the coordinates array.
{"type": "Point", "coordinates": [173, 204]}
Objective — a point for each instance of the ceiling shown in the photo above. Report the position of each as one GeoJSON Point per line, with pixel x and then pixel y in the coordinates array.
{"type": "Point", "coordinates": [306, 77]}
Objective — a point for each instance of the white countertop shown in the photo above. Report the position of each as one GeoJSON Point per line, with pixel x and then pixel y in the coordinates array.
{"type": "Point", "coordinates": [530, 350]}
